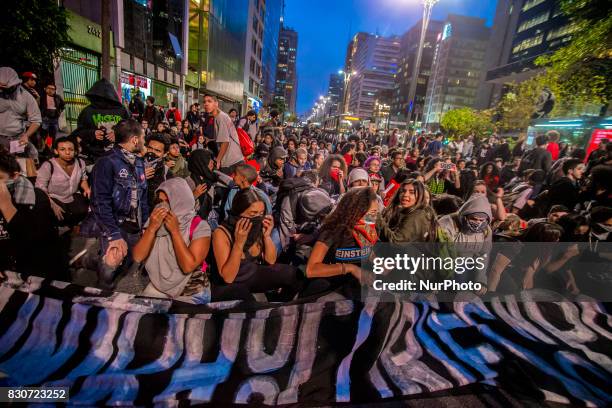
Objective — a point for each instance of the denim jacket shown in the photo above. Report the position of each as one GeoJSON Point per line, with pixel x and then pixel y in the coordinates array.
{"type": "Point", "coordinates": [112, 178]}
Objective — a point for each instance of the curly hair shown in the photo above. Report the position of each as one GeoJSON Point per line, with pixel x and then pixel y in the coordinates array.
{"type": "Point", "coordinates": [350, 209]}
{"type": "Point", "coordinates": [326, 166]}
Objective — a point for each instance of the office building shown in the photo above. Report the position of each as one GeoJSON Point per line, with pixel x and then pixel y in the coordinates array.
{"type": "Point", "coordinates": [286, 71]}
{"type": "Point", "coordinates": [335, 92]}
{"type": "Point", "coordinates": [522, 31]}
{"type": "Point", "coordinates": [372, 64]}
{"type": "Point", "coordinates": [217, 44]}
{"type": "Point", "coordinates": [458, 67]}
{"type": "Point", "coordinates": [272, 24]}
{"type": "Point", "coordinates": [409, 44]}
{"type": "Point", "coordinates": [253, 70]}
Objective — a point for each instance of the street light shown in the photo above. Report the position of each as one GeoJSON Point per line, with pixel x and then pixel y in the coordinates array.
{"type": "Point", "coordinates": [427, 7]}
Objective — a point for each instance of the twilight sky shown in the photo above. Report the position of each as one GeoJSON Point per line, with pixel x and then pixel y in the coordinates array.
{"type": "Point", "coordinates": [323, 31]}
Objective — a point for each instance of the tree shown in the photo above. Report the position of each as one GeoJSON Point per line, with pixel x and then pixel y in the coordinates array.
{"type": "Point", "coordinates": [579, 72]}
{"type": "Point", "coordinates": [33, 33]}
{"type": "Point", "coordinates": [465, 121]}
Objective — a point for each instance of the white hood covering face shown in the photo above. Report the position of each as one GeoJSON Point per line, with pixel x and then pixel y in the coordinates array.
{"type": "Point", "coordinates": [8, 77]}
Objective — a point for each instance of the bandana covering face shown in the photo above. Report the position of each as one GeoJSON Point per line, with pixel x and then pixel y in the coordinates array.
{"type": "Point", "coordinates": [334, 174]}
{"type": "Point", "coordinates": [365, 233]}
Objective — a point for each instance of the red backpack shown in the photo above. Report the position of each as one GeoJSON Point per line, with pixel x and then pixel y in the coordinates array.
{"type": "Point", "coordinates": [245, 141]}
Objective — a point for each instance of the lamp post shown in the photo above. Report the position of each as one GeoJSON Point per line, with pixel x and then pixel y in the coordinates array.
{"type": "Point", "coordinates": [427, 7]}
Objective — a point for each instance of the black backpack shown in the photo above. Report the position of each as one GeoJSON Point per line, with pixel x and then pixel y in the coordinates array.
{"type": "Point", "coordinates": [290, 187]}
{"type": "Point", "coordinates": [527, 161]}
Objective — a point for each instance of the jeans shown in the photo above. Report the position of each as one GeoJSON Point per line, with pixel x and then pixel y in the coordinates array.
{"type": "Point", "coordinates": [51, 126]}
{"type": "Point", "coordinates": [106, 273]}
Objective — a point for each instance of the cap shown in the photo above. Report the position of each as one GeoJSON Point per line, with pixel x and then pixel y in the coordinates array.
{"type": "Point", "coordinates": [28, 75]}
{"type": "Point", "coordinates": [358, 174]}
{"type": "Point", "coordinates": [262, 149]}
{"type": "Point", "coordinates": [558, 208]}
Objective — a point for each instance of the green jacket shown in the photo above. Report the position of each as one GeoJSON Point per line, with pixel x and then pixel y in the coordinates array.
{"type": "Point", "coordinates": [411, 226]}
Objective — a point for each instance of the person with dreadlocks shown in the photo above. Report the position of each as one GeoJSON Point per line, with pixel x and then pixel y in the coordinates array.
{"type": "Point", "coordinates": [408, 218]}
{"type": "Point", "coordinates": [346, 238]}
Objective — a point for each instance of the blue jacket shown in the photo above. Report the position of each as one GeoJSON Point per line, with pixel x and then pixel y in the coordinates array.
{"type": "Point", "coordinates": [112, 178]}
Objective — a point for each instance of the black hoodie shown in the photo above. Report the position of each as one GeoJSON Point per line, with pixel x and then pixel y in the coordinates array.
{"type": "Point", "coordinates": [104, 111]}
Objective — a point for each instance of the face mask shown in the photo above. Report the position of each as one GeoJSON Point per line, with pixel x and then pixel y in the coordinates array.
{"type": "Point", "coordinates": [335, 174]}
{"type": "Point", "coordinates": [6, 93]}
{"type": "Point", "coordinates": [150, 157]}
{"type": "Point", "coordinates": [256, 230]}
{"type": "Point", "coordinates": [476, 226]}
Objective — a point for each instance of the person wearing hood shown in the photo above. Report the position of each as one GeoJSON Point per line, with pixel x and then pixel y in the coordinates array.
{"type": "Point", "coordinates": [272, 174]}
{"type": "Point", "coordinates": [96, 121]}
{"type": "Point", "coordinates": [408, 218]}
{"type": "Point", "coordinates": [174, 246]}
{"type": "Point", "coordinates": [29, 241]}
{"type": "Point", "coordinates": [20, 115]}
{"type": "Point", "coordinates": [470, 230]}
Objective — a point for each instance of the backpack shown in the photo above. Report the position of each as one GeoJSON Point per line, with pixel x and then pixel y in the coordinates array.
{"type": "Point", "coordinates": [290, 187]}
{"type": "Point", "coordinates": [245, 142]}
{"type": "Point", "coordinates": [509, 198]}
{"type": "Point", "coordinates": [527, 161]}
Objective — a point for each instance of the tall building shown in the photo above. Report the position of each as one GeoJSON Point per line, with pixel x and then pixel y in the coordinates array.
{"type": "Point", "coordinates": [253, 74]}
{"type": "Point", "coordinates": [286, 72]}
{"type": "Point", "coordinates": [400, 104]}
{"type": "Point", "coordinates": [522, 31]}
{"type": "Point", "coordinates": [272, 24]}
{"type": "Point", "coordinates": [217, 43]}
{"type": "Point", "coordinates": [458, 66]}
{"type": "Point", "coordinates": [335, 92]}
{"type": "Point", "coordinates": [373, 64]}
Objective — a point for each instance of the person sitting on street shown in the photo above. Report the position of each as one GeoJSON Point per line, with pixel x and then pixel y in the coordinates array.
{"type": "Point", "coordinates": [29, 241]}
{"type": "Point", "coordinates": [246, 255]}
{"type": "Point", "coordinates": [408, 217]}
{"type": "Point", "coordinates": [175, 161]}
{"type": "Point", "coordinates": [174, 245]}
{"type": "Point", "coordinates": [62, 178]}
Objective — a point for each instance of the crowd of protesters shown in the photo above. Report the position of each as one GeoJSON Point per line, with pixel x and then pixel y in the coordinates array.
{"type": "Point", "coordinates": [212, 206]}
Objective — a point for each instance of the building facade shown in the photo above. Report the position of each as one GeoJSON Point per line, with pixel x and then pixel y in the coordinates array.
{"type": "Point", "coordinates": [272, 24]}
{"type": "Point", "coordinates": [373, 64]}
{"type": "Point", "coordinates": [217, 46]}
{"type": "Point", "coordinates": [400, 104]}
{"type": "Point", "coordinates": [253, 56]}
{"type": "Point", "coordinates": [335, 93]}
{"type": "Point", "coordinates": [522, 31]}
{"type": "Point", "coordinates": [286, 71]}
{"type": "Point", "coordinates": [458, 67]}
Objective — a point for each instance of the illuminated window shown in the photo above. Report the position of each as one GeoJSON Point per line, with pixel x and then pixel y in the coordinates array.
{"type": "Point", "coordinates": [532, 22]}
{"type": "Point", "coordinates": [561, 31]}
{"type": "Point", "coordinates": [529, 4]}
{"type": "Point", "coordinates": [528, 43]}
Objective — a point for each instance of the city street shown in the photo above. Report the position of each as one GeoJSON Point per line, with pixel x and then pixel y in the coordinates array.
{"type": "Point", "coordinates": [352, 203]}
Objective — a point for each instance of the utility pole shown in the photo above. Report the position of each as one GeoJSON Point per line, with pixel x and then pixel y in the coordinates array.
{"type": "Point", "coordinates": [106, 66]}
{"type": "Point", "coordinates": [427, 6]}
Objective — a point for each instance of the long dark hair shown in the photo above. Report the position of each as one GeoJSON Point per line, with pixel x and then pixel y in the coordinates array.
{"type": "Point", "coordinates": [350, 209]}
{"type": "Point", "coordinates": [393, 210]}
{"type": "Point", "coordinates": [243, 200]}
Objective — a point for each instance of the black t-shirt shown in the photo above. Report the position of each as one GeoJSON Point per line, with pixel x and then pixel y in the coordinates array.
{"type": "Point", "coordinates": [343, 248]}
{"type": "Point", "coordinates": [29, 243]}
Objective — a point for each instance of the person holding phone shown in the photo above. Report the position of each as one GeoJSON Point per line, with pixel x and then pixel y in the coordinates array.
{"type": "Point", "coordinates": [440, 180]}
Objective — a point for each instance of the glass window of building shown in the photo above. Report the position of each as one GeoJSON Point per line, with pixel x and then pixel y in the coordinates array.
{"type": "Point", "coordinates": [532, 22]}
{"type": "Point", "coordinates": [528, 43]}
